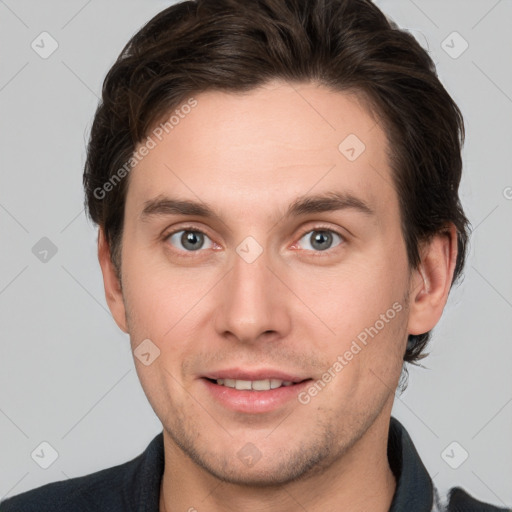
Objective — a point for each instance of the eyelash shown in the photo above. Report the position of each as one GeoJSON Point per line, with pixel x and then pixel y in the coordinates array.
{"type": "Point", "coordinates": [194, 229]}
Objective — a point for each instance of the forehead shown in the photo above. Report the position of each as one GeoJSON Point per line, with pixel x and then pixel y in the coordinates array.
{"type": "Point", "coordinates": [264, 148]}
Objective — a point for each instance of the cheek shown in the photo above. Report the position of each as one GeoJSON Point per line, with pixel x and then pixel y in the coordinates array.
{"type": "Point", "coordinates": [156, 294]}
{"type": "Point", "coordinates": [157, 311]}
{"type": "Point", "coordinates": [348, 299]}
{"type": "Point", "coordinates": [166, 305]}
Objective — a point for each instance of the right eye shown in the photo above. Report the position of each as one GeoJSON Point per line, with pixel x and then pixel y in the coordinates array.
{"type": "Point", "coordinates": [191, 240]}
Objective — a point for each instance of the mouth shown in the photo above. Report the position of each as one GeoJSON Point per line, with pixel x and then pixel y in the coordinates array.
{"type": "Point", "coordinates": [254, 392]}
{"type": "Point", "coordinates": [254, 385]}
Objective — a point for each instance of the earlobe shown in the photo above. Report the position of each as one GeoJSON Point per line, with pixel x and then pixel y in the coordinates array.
{"type": "Point", "coordinates": [431, 281]}
{"type": "Point", "coordinates": [113, 292]}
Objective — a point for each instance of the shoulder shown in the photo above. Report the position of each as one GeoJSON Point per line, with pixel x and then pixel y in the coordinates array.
{"type": "Point", "coordinates": [78, 494]}
{"type": "Point", "coordinates": [460, 501]}
{"type": "Point", "coordinates": [123, 487]}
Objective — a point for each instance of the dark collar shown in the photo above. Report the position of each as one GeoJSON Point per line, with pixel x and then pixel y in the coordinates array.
{"type": "Point", "coordinates": [414, 490]}
{"type": "Point", "coordinates": [145, 488]}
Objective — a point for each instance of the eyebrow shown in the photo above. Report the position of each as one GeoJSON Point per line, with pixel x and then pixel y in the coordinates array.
{"type": "Point", "coordinates": [320, 203]}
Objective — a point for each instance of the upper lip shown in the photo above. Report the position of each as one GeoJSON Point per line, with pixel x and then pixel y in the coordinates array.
{"type": "Point", "coordinates": [261, 374]}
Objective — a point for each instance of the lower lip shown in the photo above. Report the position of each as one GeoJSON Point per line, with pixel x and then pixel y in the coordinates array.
{"type": "Point", "coordinates": [254, 402]}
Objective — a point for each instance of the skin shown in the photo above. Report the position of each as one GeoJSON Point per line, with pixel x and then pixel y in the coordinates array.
{"type": "Point", "coordinates": [295, 307]}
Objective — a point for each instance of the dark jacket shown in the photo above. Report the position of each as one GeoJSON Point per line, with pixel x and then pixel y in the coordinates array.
{"type": "Point", "coordinates": [135, 485]}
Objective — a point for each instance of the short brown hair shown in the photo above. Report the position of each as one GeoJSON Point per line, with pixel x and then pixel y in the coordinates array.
{"type": "Point", "coordinates": [238, 45]}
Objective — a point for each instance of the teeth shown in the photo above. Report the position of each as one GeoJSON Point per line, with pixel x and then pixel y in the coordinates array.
{"type": "Point", "coordinates": [242, 384]}
{"type": "Point", "coordinates": [261, 385]}
{"type": "Point", "coordinates": [254, 385]}
{"type": "Point", "coordinates": [275, 383]}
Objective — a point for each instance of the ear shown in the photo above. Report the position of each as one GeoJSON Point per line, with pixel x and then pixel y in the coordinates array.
{"type": "Point", "coordinates": [113, 292]}
{"type": "Point", "coordinates": [431, 281]}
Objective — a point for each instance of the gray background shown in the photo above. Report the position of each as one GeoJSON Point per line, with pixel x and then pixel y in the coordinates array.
{"type": "Point", "coordinates": [66, 371]}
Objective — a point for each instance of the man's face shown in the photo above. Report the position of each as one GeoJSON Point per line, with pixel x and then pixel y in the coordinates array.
{"type": "Point", "coordinates": [260, 294]}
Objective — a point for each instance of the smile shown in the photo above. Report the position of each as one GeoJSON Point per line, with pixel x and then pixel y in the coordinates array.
{"type": "Point", "coordinates": [254, 385]}
{"type": "Point", "coordinates": [256, 396]}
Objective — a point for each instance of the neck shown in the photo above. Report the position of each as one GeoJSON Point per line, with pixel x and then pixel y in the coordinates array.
{"type": "Point", "coordinates": [358, 481]}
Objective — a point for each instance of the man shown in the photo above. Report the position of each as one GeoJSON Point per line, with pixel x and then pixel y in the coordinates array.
{"type": "Point", "coordinates": [275, 185]}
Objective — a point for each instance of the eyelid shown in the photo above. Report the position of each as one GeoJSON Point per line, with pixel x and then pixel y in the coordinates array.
{"type": "Point", "coordinates": [320, 227]}
{"type": "Point", "coordinates": [168, 233]}
{"type": "Point", "coordinates": [314, 227]}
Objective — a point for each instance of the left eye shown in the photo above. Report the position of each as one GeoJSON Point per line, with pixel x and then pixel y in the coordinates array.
{"type": "Point", "coordinates": [190, 240]}
{"type": "Point", "coordinates": [320, 239]}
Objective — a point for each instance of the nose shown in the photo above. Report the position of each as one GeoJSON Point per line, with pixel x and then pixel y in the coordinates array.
{"type": "Point", "coordinates": [253, 301]}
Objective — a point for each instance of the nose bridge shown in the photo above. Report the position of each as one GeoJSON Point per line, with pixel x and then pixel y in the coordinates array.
{"type": "Point", "coordinates": [251, 303]}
